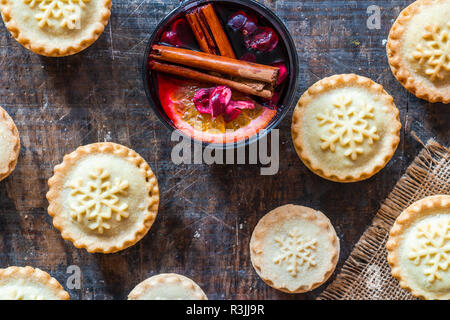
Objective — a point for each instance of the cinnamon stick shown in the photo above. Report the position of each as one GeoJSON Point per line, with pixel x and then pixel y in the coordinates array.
{"type": "Point", "coordinates": [208, 31]}
{"type": "Point", "coordinates": [204, 39]}
{"type": "Point", "coordinates": [219, 64]}
{"type": "Point", "coordinates": [254, 88]}
{"type": "Point", "coordinates": [216, 29]}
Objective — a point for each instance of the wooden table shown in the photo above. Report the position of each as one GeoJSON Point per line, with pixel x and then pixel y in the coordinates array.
{"type": "Point", "coordinates": [207, 213]}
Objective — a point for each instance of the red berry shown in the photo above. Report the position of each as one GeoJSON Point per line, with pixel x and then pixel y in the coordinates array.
{"type": "Point", "coordinates": [237, 20]}
{"type": "Point", "coordinates": [201, 100]}
{"type": "Point", "coordinates": [179, 34]}
{"type": "Point", "coordinates": [217, 101]}
{"type": "Point", "coordinates": [250, 26]}
{"type": "Point", "coordinates": [264, 39]}
{"type": "Point", "coordinates": [242, 104]}
{"type": "Point", "coordinates": [231, 113]}
{"type": "Point", "coordinates": [220, 97]}
{"type": "Point", "coordinates": [283, 72]}
{"type": "Point", "coordinates": [272, 103]}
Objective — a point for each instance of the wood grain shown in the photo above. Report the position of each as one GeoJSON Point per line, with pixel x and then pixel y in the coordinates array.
{"type": "Point", "coordinates": [207, 213]}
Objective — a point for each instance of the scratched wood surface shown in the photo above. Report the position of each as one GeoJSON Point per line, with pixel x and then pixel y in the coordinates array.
{"type": "Point", "coordinates": [207, 213]}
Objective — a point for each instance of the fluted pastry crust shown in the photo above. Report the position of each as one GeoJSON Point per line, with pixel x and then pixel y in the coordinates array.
{"type": "Point", "coordinates": [10, 144]}
{"type": "Point", "coordinates": [419, 248]}
{"type": "Point", "coordinates": [345, 128]}
{"type": "Point", "coordinates": [103, 197]}
{"type": "Point", "coordinates": [294, 249]}
{"type": "Point", "coordinates": [27, 283]}
{"type": "Point", "coordinates": [418, 49]}
{"type": "Point", "coordinates": [50, 29]}
{"type": "Point", "coordinates": [167, 286]}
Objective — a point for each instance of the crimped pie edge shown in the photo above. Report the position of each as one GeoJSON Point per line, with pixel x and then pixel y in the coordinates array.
{"type": "Point", "coordinates": [393, 47]}
{"type": "Point", "coordinates": [13, 157]}
{"type": "Point", "coordinates": [408, 216]}
{"type": "Point", "coordinates": [39, 275]}
{"type": "Point", "coordinates": [329, 83]}
{"type": "Point", "coordinates": [56, 185]}
{"type": "Point", "coordinates": [285, 212]}
{"type": "Point", "coordinates": [55, 51]}
{"type": "Point", "coordinates": [148, 283]}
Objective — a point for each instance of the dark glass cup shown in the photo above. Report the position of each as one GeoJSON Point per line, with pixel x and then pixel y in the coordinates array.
{"type": "Point", "coordinates": [286, 46]}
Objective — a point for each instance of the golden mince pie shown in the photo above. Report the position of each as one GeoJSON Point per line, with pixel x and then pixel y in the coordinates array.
{"type": "Point", "coordinates": [418, 49]}
{"type": "Point", "coordinates": [345, 128]}
{"type": "Point", "coordinates": [419, 248]}
{"type": "Point", "coordinates": [167, 286]}
{"type": "Point", "coordinates": [27, 283]}
{"type": "Point", "coordinates": [56, 27]}
{"type": "Point", "coordinates": [294, 249]}
{"type": "Point", "coordinates": [103, 197]}
{"type": "Point", "coordinates": [9, 144]}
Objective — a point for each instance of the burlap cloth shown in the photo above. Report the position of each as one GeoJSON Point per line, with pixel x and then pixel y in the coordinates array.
{"type": "Point", "coordinates": [366, 274]}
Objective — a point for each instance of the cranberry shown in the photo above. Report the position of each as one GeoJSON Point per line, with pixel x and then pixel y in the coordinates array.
{"type": "Point", "coordinates": [242, 104]}
{"type": "Point", "coordinates": [272, 103]}
{"type": "Point", "coordinates": [219, 98]}
{"type": "Point", "coordinates": [237, 20]}
{"type": "Point", "coordinates": [178, 34]}
{"type": "Point", "coordinates": [231, 113]}
{"type": "Point", "coordinates": [234, 109]}
{"type": "Point", "coordinates": [264, 39]}
{"type": "Point", "coordinates": [250, 57]}
{"type": "Point", "coordinates": [250, 26]}
{"type": "Point", "coordinates": [201, 100]}
{"type": "Point", "coordinates": [217, 101]}
{"type": "Point", "coordinates": [170, 37]}
{"type": "Point", "coordinates": [283, 72]}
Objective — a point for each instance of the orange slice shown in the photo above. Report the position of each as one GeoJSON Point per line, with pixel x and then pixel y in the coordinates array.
{"type": "Point", "coordinates": [176, 99]}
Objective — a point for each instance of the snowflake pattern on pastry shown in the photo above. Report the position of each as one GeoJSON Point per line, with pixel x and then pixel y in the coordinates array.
{"type": "Point", "coordinates": [434, 53]}
{"type": "Point", "coordinates": [296, 251]}
{"type": "Point", "coordinates": [432, 248]}
{"type": "Point", "coordinates": [348, 125]}
{"type": "Point", "coordinates": [66, 12]}
{"type": "Point", "coordinates": [98, 199]}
